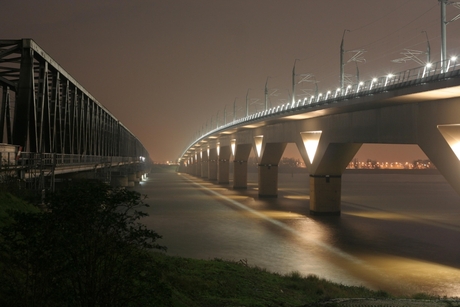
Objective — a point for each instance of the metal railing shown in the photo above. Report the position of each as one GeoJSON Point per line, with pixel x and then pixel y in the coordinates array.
{"type": "Point", "coordinates": [53, 159]}
{"type": "Point", "coordinates": [419, 75]}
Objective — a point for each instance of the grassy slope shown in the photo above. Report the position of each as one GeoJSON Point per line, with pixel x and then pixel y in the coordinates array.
{"type": "Point", "coordinates": [11, 202]}
{"type": "Point", "coordinates": [222, 283]}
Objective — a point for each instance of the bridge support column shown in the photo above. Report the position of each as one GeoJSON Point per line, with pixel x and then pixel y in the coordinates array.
{"type": "Point", "coordinates": [212, 164]}
{"type": "Point", "coordinates": [240, 174]}
{"type": "Point", "coordinates": [328, 163]}
{"type": "Point", "coordinates": [240, 166]}
{"type": "Point", "coordinates": [223, 165]}
{"type": "Point", "coordinates": [268, 169]}
{"type": "Point", "coordinates": [204, 164]}
{"type": "Point", "coordinates": [325, 192]}
{"type": "Point", "coordinates": [438, 133]}
{"type": "Point", "coordinates": [132, 180]}
{"type": "Point", "coordinates": [197, 164]}
{"type": "Point", "coordinates": [268, 180]}
{"type": "Point", "coordinates": [191, 166]}
{"type": "Point", "coordinates": [119, 180]}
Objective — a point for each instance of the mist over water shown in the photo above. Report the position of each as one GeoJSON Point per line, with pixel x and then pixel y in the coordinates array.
{"type": "Point", "coordinates": [397, 232]}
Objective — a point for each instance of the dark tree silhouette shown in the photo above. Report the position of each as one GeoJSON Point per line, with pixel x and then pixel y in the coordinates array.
{"type": "Point", "coordinates": [86, 247]}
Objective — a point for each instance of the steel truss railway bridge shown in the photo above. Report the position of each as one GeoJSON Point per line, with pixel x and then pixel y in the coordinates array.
{"type": "Point", "coordinates": [418, 106]}
{"type": "Point", "coordinates": [52, 128]}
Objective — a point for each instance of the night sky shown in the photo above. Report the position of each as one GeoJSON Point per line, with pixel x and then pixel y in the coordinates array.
{"type": "Point", "coordinates": [165, 68]}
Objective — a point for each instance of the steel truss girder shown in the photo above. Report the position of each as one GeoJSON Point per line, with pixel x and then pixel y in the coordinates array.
{"type": "Point", "coordinates": [52, 112]}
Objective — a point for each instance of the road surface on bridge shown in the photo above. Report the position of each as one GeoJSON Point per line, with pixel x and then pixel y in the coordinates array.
{"type": "Point", "coordinates": [397, 232]}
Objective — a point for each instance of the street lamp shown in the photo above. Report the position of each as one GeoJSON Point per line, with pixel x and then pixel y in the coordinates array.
{"type": "Point", "coordinates": [234, 109]}
{"type": "Point", "coordinates": [428, 49]}
{"type": "Point", "coordinates": [342, 73]}
{"type": "Point", "coordinates": [247, 103]}
{"type": "Point", "coordinates": [266, 94]}
{"type": "Point", "coordinates": [293, 80]}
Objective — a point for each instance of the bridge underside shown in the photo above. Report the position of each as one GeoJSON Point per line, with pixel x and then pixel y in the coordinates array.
{"type": "Point", "coordinates": [328, 141]}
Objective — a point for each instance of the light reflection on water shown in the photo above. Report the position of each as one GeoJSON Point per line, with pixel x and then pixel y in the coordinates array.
{"type": "Point", "coordinates": [397, 232]}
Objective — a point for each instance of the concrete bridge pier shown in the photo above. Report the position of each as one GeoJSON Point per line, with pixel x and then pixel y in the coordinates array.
{"type": "Point", "coordinates": [204, 164]}
{"type": "Point", "coordinates": [268, 169]}
{"type": "Point", "coordinates": [212, 164]}
{"type": "Point", "coordinates": [223, 164]}
{"type": "Point", "coordinates": [240, 166]}
{"type": "Point", "coordinates": [191, 167]}
{"type": "Point", "coordinates": [438, 132]}
{"type": "Point", "coordinates": [326, 162]}
{"type": "Point", "coordinates": [119, 180]}
{"type": "Point", "coordinates": [132, 179]}
{"type": "Point", "coordinates": [183, 168]}
{"type": "Point", "coordinates": [197, 164]}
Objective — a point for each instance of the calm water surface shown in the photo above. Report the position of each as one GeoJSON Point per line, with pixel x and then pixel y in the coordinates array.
{"type": "Point", "coordinates": [397, 232]}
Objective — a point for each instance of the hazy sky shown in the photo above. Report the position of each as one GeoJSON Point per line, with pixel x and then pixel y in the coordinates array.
{"type": "Point", "coordinates": [165, 68]}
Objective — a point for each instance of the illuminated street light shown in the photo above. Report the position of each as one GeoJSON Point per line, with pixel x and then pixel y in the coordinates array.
{"type": "Point", "coordinates": [293, 80]}
{"type": "Point", "coordinates": [266, 94]}
{"type": "Point", "coordinates": [247, 103]}
{"type": "Point", "coordinates": [342, 73]}
{"type": "Point", "coordinates": [427, 66]}
{"type": "Point", "coordinates": [234, 109]}
{"type": "Point", "coordinates": [319, 97]}
{"type": "Point", "coordinates": [372, 83]}
{"type": "Point", "coordinates": [444, 23]}
{"type": "Point", "coordinates": [389, 76]}
{"type": "Point", "coordinates": [348, 88]}
{"type": "Point", "coordinates": [428, 48]}
{"type": "Point", "coordinates": [451, 60]}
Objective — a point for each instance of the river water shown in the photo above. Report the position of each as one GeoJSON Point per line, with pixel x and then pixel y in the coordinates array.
{"type": "Point", "coordinates": [397, 232]}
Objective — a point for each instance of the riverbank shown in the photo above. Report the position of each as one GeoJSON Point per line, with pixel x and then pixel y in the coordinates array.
{"type": "Point", "coordinates": [225, 283]}
{"type": "Point", "coordinates": [215, 282]}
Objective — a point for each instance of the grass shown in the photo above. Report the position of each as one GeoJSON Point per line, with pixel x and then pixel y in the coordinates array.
{"type": "Point", "coordinates": [224, 283]}
{"type": "Point", "coordinates": [10, 202]}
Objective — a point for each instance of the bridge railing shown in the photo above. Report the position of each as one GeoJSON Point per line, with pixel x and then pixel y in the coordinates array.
{"type": "Point", "coordinates": [419, 75]}
{"type": "Point", "coordinates": [28, 159]}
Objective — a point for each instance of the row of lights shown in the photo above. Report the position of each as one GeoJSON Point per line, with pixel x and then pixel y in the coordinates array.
{"type": "Point", "coordinates": [338, 92]}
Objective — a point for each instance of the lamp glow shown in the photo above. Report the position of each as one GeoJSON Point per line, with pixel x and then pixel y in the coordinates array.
{"type": "Point", "coordinates": [456, 149]}
{"type": "Point", "coordinates": [451, 134]}
{"type": "Point", "coordinates": [258, 142]}
{"type": "Point", "coordinates": [337, 92]}
{"type": "Point", "coordinates": [372, 83]}
{"type": "Point", "coordinates": [452, 59]}
{"type": "Point", "coordinates": [311, 142]}
{"type": "Point", "coordinates": [319, 97]}
{"type": "Point", "coordinates": [389, 76]}
{"type": "Point", "coordinates": [348, 87]}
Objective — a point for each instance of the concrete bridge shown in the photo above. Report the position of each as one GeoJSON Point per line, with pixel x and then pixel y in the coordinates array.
{"type": "Point", "coordinates": [52, 128]}
{"type": "Point", "coordinates": [418, 106]}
